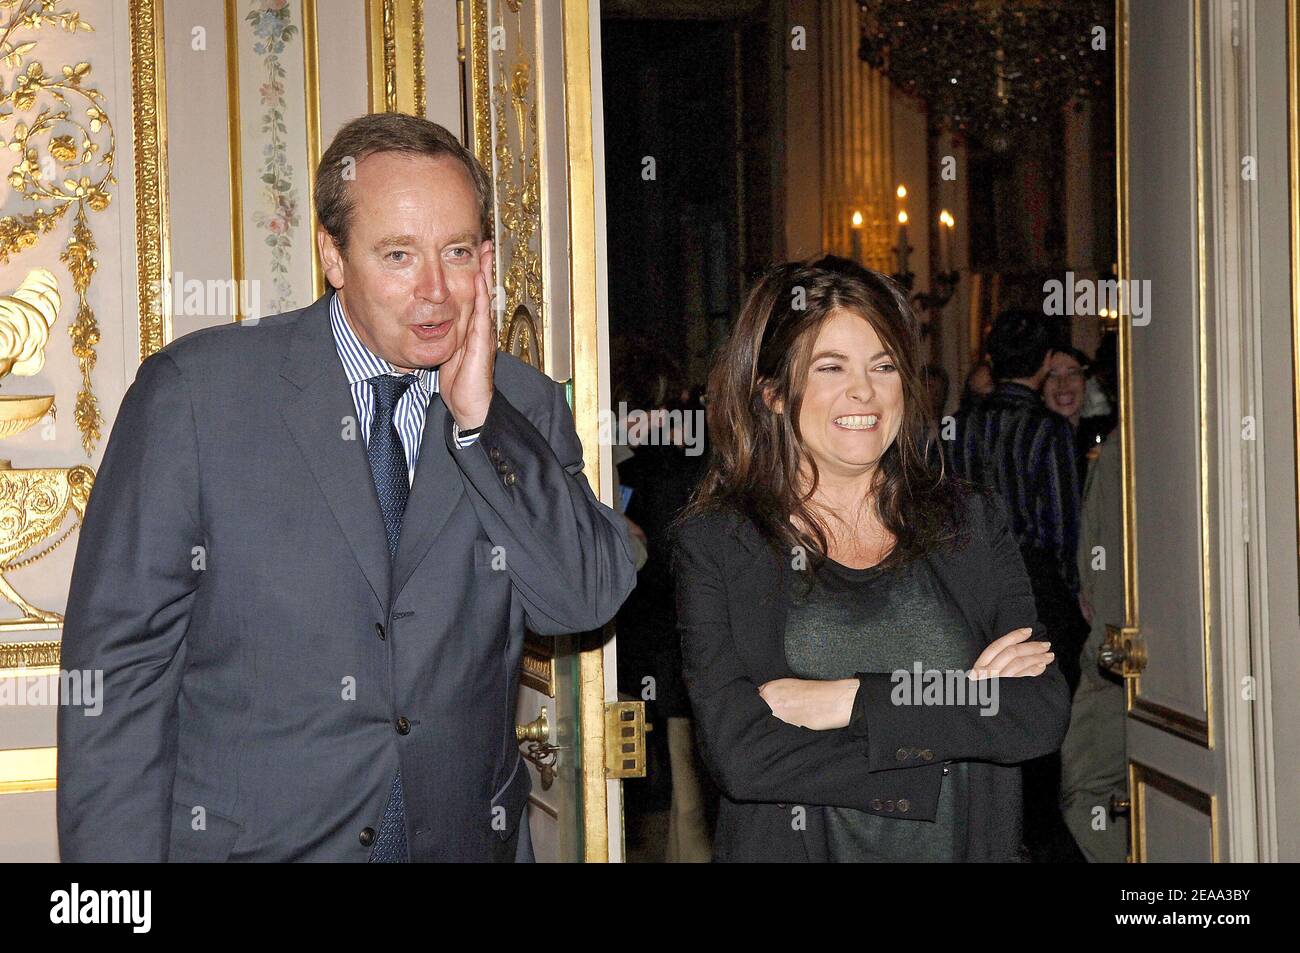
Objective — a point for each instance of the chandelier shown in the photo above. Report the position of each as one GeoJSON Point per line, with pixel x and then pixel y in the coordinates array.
{"type": "Point", "coordinates": [990, 69]}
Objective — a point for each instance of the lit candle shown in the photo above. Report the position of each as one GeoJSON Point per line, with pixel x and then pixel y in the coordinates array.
{"type": "Point", "coordinates": [902, 241]}
{"type": "Point", "coordinates": [857, 237]}
{"type": "Point", "coordinates": [946, 222]}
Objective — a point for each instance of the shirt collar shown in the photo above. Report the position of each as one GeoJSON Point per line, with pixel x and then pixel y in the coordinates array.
{"type": "Point", "coordinates": [360, 363]}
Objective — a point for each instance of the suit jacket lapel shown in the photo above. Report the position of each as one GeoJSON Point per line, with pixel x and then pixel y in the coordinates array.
{"type": "Point", "coordinates": [437, 489]}
{"type": "Point", "coordinates": [317, 403]}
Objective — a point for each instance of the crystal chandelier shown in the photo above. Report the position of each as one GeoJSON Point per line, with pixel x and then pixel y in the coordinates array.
{"type": "Point", "coordinates": [991, 69]}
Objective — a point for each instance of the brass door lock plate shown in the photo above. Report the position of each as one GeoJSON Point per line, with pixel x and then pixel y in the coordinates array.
{"type": "Point", "coordinates": [625, 730]}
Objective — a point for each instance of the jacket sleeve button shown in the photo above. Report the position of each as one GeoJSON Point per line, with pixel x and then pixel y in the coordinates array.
{"type": "Point", "coordinates": [510, 478]}
{"type": "Point", "coordinates": [927, 754]}
{"type": "Point", "coordinates": [901, 754]}
{"type": "Point", "coordinates": [904, 804]}
{"type": "Point", "coordinates": [877, 805]}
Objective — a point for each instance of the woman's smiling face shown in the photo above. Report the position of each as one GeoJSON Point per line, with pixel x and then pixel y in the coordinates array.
{"type": "Point", "coordinates": [1064, 388]}
{"type": "Point", "coordinates": [852, 405]}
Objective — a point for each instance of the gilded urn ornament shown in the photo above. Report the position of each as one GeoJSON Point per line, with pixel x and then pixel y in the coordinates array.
{"type": "Point", "coordinates": [34, 503]}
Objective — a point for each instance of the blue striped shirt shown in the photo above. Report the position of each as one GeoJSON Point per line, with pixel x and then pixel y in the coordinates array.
{"type": "Point", "coordinates": [1013, 444]}
{"type": "Point", "coordinates": [360, 364]}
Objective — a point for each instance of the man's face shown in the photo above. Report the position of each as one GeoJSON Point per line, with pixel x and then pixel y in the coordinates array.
{"type": "Point", "coordinates": [414, 248]}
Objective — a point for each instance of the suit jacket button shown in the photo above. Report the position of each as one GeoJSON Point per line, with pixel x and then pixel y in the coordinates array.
{"type": "Point", "coordinates": [904, 804]}
{"type": "Point", "coordinates": [403, 726]}
{"type": "Point", "coordinates": [901, 754]}
{"type": "Point", "coordinates": [503, 466]}
{"type": "Point", "coordinates": [494, 454]}
{"type": "Point", "coordinates": [367, 837]}
{"type": "Point", "coordinates": [510, 478]}
{"type": "Point", "coordinates": [927, 754]}
{"type": "Point", "coordinates": [379, 630]}
{"type": "Point", "coordinates": [876, 805]}
{"type": "Point", "coordinates": [889, 805]}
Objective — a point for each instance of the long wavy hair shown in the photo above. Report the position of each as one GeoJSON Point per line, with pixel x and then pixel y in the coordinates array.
{"type": "Point", "coordinates": [756, 453]}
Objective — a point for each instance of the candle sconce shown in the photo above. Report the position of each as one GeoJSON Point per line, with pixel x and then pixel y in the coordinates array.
{"type": "Point", "coordinates": [928, 304]}
{"type": "Point", "coordinates": [945, 286]}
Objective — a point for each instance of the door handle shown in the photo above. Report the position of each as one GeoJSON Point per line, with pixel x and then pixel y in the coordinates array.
{"type": "Point", "coordinates": [1123, 653]}
{"type": "Point", "coordinates": [539, 729]}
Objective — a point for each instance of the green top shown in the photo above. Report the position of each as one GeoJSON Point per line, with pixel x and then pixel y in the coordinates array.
{"type": "Point", "coordinates": [873, 620]}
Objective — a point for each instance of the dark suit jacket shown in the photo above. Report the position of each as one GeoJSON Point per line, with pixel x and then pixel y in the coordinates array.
{"type": "Point", "coordinates": [267, 667]}
{"type": "Point", "coordinates": [732, 602]}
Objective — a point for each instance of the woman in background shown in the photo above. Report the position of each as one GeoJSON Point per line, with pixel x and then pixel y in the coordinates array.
{"type": "Point", "coordinates": [820, 561]}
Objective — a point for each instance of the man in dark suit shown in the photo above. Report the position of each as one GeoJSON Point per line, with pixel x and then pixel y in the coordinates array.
{"type": "Point", "coordinates": [313, 547]}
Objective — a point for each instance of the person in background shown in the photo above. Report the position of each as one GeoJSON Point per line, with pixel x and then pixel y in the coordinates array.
{"type": "Point", "coordinates": [658, 474]}
{"type": "Point", "coordinates": [1067, 391]}
{"type": "Point", "coordinates": [620, 453]}
{"type": "Point", "coordinates": [1011, 443]}
{"type": "Point", "coordinates": [979, 384]}
{"type": "Point", "coordinates": [1093, 753]}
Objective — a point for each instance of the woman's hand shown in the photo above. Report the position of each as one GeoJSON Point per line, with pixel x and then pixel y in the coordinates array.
{"type": "Point", "coordinates": [1012, 656]}
{"type": "Point", "coordinates": [811, 703]}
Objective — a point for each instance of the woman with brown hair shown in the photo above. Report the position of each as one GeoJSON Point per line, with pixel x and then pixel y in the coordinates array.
{"type": "Point", "coordinates": [831, 583]}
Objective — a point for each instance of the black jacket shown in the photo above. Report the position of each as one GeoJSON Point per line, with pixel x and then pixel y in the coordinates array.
{"type": "Point", "coordinates": [775, 777]}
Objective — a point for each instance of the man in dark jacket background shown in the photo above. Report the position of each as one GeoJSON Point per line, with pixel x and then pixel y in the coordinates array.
{"type": "Point", "coordinates": [1011, 443]}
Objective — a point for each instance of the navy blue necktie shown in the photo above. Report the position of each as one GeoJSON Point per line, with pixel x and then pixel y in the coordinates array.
{"type": "Point", "coordinates": [389, 467]}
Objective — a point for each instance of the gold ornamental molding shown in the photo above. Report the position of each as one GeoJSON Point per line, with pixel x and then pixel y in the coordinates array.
{"type": "Point", "coordinates": [518, 187]}
{"type": "Point", "coordinates": [235, 139]}
{"type": "Point", "coordinates": [1142, 779]}
{"type": "Point", "coordinates": [395, 53]}
{"type": "Point", "coordinates": [520, 337]}
{"type": "Point", "coordinates": [34, 503]}
{"type": "Point", "coordinates": [152, 216]}
{"type": "Point", "coordinates": [503, 133]}
{"type": "Point", "coordinates": [57, 127]}
{"type": "Point", "coordinates": [18, 659]}
{"type": "Point", "coordinates": [581, 156]}
{"type": "Point", "coordinates": [1293, 171]}
{"type": "Point", "coordinates": [480, 91]}
{"type": "Point", "coordinates": [537, 665]}
{"type": "Point", "coordinates": [311, 77]}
